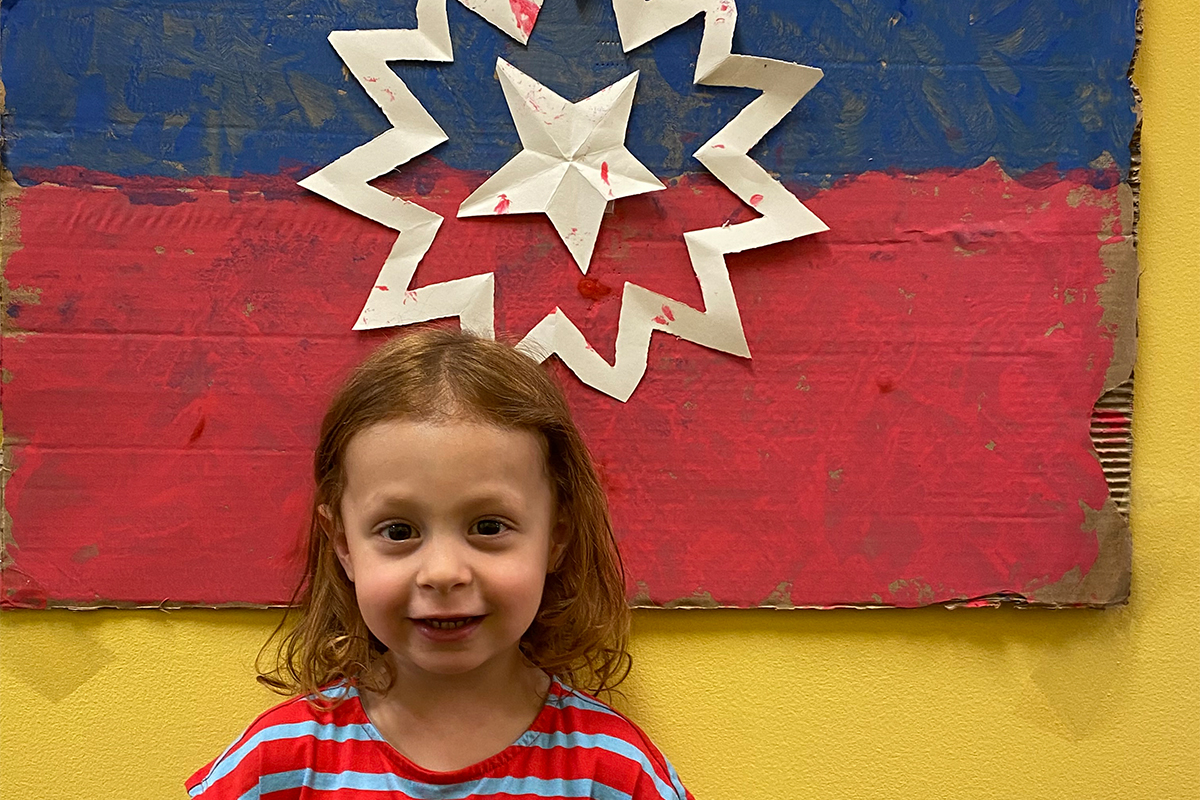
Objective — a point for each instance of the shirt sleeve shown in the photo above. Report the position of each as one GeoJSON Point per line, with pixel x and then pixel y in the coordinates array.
{"type": "Point", "coordinates": [658, 780]}
{"type": "Point", "coordinates": [233, 775]}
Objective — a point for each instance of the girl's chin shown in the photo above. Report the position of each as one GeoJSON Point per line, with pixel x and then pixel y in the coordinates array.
{"type": "Point", "coordinates": [462, 664]}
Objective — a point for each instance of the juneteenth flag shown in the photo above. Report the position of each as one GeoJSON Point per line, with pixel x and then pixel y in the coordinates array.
{"type": "Point", "coordinates": [916, 421]}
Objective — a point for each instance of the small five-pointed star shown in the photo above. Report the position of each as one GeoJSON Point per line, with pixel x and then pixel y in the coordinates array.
{"type": "Point", "coordinates": [573, 163]}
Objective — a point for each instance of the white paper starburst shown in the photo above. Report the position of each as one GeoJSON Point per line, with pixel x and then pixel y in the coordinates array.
{"type": "Point", "coordinates": [391, 301]}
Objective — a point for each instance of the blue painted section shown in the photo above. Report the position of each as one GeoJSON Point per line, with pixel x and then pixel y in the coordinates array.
{"type": "Point", "coordinates": [193, 87]}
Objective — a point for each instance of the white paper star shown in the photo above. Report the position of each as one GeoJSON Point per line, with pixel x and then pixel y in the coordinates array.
{"type": "Point", "coordinates": [573, 164]}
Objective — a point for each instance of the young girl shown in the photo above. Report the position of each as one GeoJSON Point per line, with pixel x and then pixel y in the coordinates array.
{"type": "Point", "coordinates": [462, 577]}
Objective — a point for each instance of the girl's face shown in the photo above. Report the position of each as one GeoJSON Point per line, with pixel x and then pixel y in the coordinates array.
{"type": "Point", "coordinates": [448, 531]}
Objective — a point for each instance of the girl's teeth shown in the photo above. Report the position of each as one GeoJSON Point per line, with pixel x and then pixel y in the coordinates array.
{"type": "Point", "coordinates": [446, 624]}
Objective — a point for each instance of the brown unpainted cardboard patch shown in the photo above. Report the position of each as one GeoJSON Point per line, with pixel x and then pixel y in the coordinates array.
{"type": "Point", "coordinates": [7, 542]}
{"type": "Point", "coordinates": [1118, 293]}
{"type": "Point", "coordinates": [781, 597]}
{"type": "Point", "coordinates": [10, 242]}
{"type": "Point", "coordinates": [1107, 582]}
{"type": "Point", "coordinates": [25, 295]}
{"type": "Point", "coordinates": [701, 599]}
{"type": "Point", "coordinates": [10, 233]}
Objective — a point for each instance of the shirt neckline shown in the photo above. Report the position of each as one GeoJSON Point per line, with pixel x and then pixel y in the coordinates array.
{"type": "Point", "coordinates": [406, 767]}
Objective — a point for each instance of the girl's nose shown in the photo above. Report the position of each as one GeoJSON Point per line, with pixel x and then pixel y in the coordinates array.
{"type": "Point", "coordinates": [444, 564]}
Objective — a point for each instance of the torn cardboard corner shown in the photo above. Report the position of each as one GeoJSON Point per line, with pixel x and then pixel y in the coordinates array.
{"type": "Point", "coordinates": [1107, 583]}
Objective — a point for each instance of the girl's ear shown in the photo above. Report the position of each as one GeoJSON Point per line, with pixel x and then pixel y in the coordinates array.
{"type": "Point", "coordinates": [337, 537]}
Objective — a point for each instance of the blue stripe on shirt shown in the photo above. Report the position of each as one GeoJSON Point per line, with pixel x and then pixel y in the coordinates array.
{"type": "Point", "coordinates": [388, 782]}
{"type": "Point", "coordinates": [294, 730]}
{"type": "Point", "coordinates": [613, 744]}
{"type": "Point", "coordinates": [581, 702]}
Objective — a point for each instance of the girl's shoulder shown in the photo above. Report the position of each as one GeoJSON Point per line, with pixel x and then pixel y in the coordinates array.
{"type": "Point", "coordinates": [581, 721]}
{"type": "Point", "coordinates": [579, 710]}
{"type": "Point", "coordinates": [284, 736]}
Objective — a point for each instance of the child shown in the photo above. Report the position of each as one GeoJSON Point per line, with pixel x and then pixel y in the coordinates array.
{"type": "Point", "coordinates": [461, 577]}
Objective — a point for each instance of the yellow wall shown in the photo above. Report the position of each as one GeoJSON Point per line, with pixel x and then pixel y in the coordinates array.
{"type": "Point", "coordinates": [849, 704]}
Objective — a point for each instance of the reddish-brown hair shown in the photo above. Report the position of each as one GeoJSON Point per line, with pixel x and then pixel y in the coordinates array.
{"type": "Point", "coordinates": [581, 629]}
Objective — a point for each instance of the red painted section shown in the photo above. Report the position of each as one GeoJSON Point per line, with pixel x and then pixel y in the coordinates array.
{"type": "Point", "coordinates": [913, 425]}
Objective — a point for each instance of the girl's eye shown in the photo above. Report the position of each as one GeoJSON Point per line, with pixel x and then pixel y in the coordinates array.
{"type": "Point", "coordinates": [490, 527]}
{"type": "Point", "coordinates": [398, 532]}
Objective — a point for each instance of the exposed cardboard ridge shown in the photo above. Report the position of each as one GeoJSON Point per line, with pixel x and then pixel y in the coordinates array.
{"type": "Point", "coordinates": [10, 242]}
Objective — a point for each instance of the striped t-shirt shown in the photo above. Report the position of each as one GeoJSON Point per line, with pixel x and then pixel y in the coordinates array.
{"type": "Point", "coordinates": [576, 747]}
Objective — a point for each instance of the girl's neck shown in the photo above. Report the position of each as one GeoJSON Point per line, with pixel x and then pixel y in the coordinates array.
{"type": "Point", "coordinates": [497, 681]}
{"type": "Point", "coordinates": [447, 722]}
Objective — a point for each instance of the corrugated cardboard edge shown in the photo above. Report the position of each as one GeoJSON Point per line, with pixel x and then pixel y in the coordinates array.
{"type": "Point", "coordinates": [10, 242]}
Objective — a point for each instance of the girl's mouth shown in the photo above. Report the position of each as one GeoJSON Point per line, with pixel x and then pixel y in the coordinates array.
{"type": "Point", "coordinates": [447, 629]}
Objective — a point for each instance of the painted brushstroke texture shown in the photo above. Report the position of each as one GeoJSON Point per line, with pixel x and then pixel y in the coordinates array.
{"type": "Point", "coordinates": [175, 89]}
{"type": "Point", "coordinates": [913, 426]}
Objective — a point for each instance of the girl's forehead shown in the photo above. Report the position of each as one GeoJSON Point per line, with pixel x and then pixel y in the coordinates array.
{"type": "Point", "coordinates": [448, 427]}
{"type": "Point", "coordinates": [445, 451]}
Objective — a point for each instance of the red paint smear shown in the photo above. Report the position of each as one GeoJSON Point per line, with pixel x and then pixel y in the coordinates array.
{"type": "Point", "coordinates": [604, 172]}
{"type": "Point", "coordinates": [198, 431]}
{"type": "Point", "coordinates": [756, 199]}
{"type": "Point", "coordinates": [382, 288]}
{"type": "Point", "coordinates": [526, 13]}
{"type": "Point", "coordinates": [593, 289]}
{"type": "Point", "coordinates": [853, 493]}
{"type": "Point", "coordinates": [502, 205]}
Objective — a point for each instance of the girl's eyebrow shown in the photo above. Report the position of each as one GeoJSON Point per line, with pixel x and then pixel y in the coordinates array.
{"type": "Point", "coordinates": [488, 497]}
{"type": "Point", "coordinates": [492, 497]}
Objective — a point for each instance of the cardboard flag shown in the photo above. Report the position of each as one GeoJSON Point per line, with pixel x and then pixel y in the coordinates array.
{"type": "Point", "coordinates": [869, 344]}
